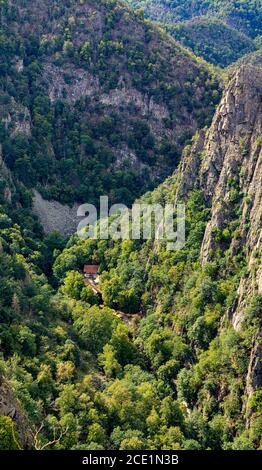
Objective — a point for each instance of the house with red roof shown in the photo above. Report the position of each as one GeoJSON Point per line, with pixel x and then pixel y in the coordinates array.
{"type": "Point", "coordinates": [91, 271]}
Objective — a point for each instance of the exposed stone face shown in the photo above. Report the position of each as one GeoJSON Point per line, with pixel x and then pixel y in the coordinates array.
{"type": "Point", "coordinates": [231, 151]}
{"type": "Point", "coordinates": [190, 165]}
{"type": "Point", "coordinates": [6, 179]}
{"type": "Point", "coordinates": [16, 119]}
{"type": "Point", "coordinates": [237, 122]}
{"type": "Point", "coordinates": [9, 406]}
{"type": "Point", "coordinates": [55, 217]}
{"type": "Point", "coordinates": [81, 84]}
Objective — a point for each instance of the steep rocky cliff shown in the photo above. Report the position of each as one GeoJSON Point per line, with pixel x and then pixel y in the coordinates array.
{"type": "Point", "coordinates": [226, 163]}
{"type": "Point", "coordinates": [10, 407]}
{"type": "Point", "coordinates": [6, 183]}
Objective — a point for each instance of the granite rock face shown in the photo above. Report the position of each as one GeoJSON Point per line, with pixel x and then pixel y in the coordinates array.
{"type": "Point", "coordinates": [55, 217]}
{"type": "Point", "coordinates": [6, 181]}
{"type": "Point", "coordinates": [10, 406]}
{"type": "Point", "coordinates": [233, 164]}
{"type": "Point", "coordinates": [225, 162]}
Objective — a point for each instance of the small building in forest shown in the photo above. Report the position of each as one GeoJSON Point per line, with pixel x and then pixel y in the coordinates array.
{"type": "Point", "coordinates": [92, 278]}
{"type": "Point", "coordinates": [91, 271]}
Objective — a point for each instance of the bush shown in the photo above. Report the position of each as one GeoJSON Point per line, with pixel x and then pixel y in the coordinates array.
{"type": "Point", "coordinates": [8, 434]}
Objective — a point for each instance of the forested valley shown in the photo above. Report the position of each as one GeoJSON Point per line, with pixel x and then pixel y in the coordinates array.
{"type": "Point", "coordinates": [164, 351]}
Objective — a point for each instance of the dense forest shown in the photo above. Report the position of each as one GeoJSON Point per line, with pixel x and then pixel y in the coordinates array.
{"type": "Point", "coordinates": [219, 31]}
{"type": "Point", "coordinates": [246, 14]}
{"type": "Point", "coordinates": [165, 353]}
{"type": "Point", "coordinates": [213, 40]}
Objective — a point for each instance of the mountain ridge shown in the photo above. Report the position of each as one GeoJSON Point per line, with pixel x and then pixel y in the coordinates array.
{"type": "Point", "coordinates": [220, 32]}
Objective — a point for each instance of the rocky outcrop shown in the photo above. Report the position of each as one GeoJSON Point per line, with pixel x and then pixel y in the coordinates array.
{"type": "Point", "coordinates": [254, 376]}
{"type": "Point", "coordinates": [226, 163]}
{"type": "Point", "coordinates": [16, 119]}
{"type": "Point", "coordinates": [10, 406]}
{"type": "Point", "coordinates": [232, 167]}
{"type": "Point", "coordinates": [6, 182]}
{"type": "Point", "coordinates": [79, 83]}
{"type": "Point", "coordinates": [55, 217]}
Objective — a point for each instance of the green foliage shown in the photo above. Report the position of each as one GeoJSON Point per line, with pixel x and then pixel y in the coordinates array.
{"type": "Point", "coordinates": [220, 32]}
{"type": "Point", "coordinates": [8, 434]}
{"type": "Point", "coordinates": [73, 285]}
{"type": "Point", "coordinates": [213, 40]}
{"type": "Point", "coordinates": [246, 14]}
{"type": "Point", "coordinates": [108, 362]}
{"type": "Point", "coordinates": [77, 146]}
{"type": "Point", "coordinates": [155, 363]}
{"type": "Point", "coordinates": [75, 366]}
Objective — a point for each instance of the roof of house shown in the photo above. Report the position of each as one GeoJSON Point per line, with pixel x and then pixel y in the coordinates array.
{"type": "Point", "coordinates": [91, 268]}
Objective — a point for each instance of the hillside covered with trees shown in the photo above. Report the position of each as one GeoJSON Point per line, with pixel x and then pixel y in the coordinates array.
{"type": "Point", "coordinates": [95, 100]}
{"type": "Point", "coordinates": [219, 31]}
{"type": "Point", "coordinates": [163, 351]}
{"type": "Point", "coordinates": [214, 40]}
{"type": "Point", "coordinates": [183, 371]}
